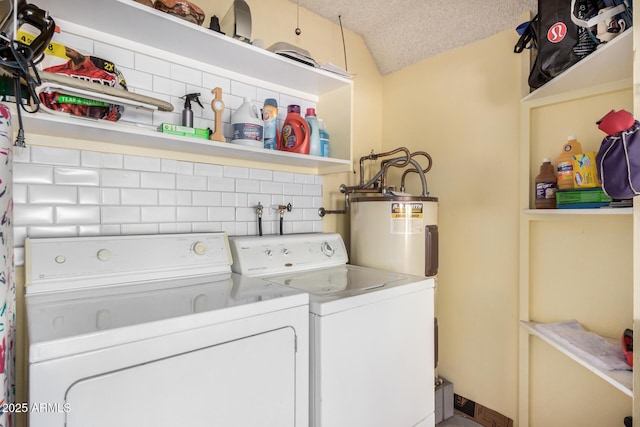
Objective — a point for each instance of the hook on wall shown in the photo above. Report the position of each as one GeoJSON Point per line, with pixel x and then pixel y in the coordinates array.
{"type": "Point", "coordinates": [298, 30]}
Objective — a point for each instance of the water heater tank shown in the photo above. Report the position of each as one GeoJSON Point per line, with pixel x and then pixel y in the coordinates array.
{"type": "Point", "coordinates": [396, 233]}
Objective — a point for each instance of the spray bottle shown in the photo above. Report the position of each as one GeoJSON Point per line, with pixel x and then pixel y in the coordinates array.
{"type": "Point", "coordinates": [187, 113]}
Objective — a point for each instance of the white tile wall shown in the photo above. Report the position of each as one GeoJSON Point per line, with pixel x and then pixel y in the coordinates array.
{"type": "Point", "coordinates": [67, 192]}
{"type": "Point", "coordinates": [107, 194]}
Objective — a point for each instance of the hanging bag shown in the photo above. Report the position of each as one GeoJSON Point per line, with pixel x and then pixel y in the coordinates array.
{"type": "Point", "coordinates": [554, 36]}
{"type": "Point", "coordinates": [618, 160]}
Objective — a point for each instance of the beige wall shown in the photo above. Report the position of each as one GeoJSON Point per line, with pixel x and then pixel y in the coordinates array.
{"type": "Point", "coordinates": [462, 107]}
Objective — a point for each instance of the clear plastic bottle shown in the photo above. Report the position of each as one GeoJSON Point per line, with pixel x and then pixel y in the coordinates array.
{"type": "Point", "coordinates": [324, 138]}
{"type": "Point", "coordinates": [546, 186]}
{"type": "Point", "coordinates": [314, 132]}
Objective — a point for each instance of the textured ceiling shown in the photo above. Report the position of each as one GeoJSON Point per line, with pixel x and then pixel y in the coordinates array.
{"type": "Point", "coordinates": [400, 33]}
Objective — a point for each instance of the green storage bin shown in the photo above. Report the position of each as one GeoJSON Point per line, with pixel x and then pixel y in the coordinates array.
{"type": "Point", "coordinates": [584, 195]}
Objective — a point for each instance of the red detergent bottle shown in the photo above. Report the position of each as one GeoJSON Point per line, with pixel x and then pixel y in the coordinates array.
{"type": "Point", "coordinates": [295, 132]}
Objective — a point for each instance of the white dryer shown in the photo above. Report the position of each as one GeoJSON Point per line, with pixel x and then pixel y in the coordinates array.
{"type": "Point", "coordinates": [157, 331]}
{"type": "Point", "coordinates": [372, 337]}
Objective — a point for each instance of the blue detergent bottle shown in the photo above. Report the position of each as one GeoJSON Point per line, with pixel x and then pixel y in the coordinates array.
{"type": "Point", "coordinates": [324, 138]}
{"type": "Point", "coordinates": [314, 132]}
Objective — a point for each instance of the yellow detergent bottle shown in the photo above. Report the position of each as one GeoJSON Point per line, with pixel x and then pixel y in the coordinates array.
{"type": "Point", "coordinates": [565, 163]}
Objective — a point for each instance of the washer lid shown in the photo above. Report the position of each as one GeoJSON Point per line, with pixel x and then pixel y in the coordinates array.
{"type": "Point", "coordinates": [66, 323]}
{"type": "Point", "coordinates": [343, 287]}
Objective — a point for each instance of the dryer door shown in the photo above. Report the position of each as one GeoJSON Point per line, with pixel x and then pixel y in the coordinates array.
{"type": "Point", "coordinates": [246, 382]}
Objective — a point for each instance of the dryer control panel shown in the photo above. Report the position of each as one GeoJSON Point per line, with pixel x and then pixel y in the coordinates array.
{"type": "Point", "coordinates": [255, 255]}
{"type": "Point", "coordinates": [57, 264]}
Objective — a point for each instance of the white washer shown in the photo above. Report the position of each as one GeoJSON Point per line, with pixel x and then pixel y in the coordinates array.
{"type": "Point", "coordinates": [157, 331]}
{"type": "Point", "coordinates": [372, 337]}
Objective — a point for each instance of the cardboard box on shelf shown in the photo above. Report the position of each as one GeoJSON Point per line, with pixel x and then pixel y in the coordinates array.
{"type": "Point", "coordinates": [480, 414]}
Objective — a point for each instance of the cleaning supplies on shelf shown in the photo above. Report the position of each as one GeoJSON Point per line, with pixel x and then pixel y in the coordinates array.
{"type": "Point", "coordinates": [582, 198]}
{"type": "Point", "coordinates": [270, 116]}
{"type": "Point", "coordinates": [315, 148]}
{"type": "Point", "coordinates": [295, 132]}
{"type": "Point", "coordinates": [247, 125]}
{"type": "Point", "coordinates": [565, 163]}
{"type": "Point", "coordinates": [184, 130]}
{"type": "Point", "coordinates": [187, 112]}
{"type": "Point", "coordinates": [585, 172]}
{"type": "Point", "coordinates": [546, 185]}
{"type": "Point", "coordinates": [324, 138]}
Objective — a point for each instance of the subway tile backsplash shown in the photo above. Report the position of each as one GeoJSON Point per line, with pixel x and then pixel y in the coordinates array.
{"type": "Point", "coordinates": [65, 192]}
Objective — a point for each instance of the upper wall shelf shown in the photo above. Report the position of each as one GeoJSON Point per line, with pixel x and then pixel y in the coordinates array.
{"type": "Point", "coordinates": [611, 63]}
{"type": "Point", "coordinates": [163, 31]}
{"type": "Point", "coordinates": [138, 136]}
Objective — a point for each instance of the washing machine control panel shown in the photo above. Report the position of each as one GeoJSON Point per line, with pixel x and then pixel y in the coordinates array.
{"type": "Point", "coordinates": [254, 255]}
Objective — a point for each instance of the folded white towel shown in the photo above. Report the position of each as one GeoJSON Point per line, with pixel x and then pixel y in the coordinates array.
{"type": "Point", "coordinates": [601, 352]}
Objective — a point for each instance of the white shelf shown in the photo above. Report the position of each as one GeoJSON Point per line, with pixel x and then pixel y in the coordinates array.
{"type": "Point", "coordinates": [133, 21]}
{"type": "Point", "coordinates": [131, 135]}
{"type": "Point", "coordinates": [570, 212]}
{"type": "Point", "coordinates": [622, 380]}
{"type": "Point", "coordinates": [611, 63]}
{"type": "Point", "coordinates": [607, 72]}
{"type": "Point", "coordinates": [129, 20]}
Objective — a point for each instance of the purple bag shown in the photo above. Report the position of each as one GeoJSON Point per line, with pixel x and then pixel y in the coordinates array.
{"type": "Point", "coordinates": [618, 163]}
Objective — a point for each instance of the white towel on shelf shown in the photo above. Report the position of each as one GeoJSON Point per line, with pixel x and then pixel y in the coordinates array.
{"type": "Point", "coordinates": [601, 352]}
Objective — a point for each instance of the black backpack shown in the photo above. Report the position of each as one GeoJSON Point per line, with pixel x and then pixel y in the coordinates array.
{"type": "Point", "coordinates": [559, 43]}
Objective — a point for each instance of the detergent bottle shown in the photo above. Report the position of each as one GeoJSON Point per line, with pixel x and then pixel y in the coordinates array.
{"type": "Point", "coordinates": [324, 138]}
{"type": "Point", "coordinates": [546, 185]}
{"type": "Point", "coordinates": [247, 125]}
{"type": "Point", "coordinates": [315, 148]}
{"type": "Point", "coordinates": [295, 132]}
{"type": "Point", "coordinates": [565, 163]}
{"type": "Point", "coordinates": [270, 116]}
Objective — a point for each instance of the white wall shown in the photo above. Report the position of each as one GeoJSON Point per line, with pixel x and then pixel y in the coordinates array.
{"type": "Point", "coordinates": [66, 192]}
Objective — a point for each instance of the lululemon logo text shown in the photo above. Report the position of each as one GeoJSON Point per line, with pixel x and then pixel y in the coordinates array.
{"type": "Point", "coordinates": [557, 32]}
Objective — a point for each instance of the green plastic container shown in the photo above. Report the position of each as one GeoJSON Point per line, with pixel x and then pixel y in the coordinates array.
{"type": "Point", "coordinates": [583, 195]}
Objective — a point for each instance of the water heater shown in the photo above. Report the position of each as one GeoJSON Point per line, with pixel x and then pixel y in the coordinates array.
{"type": "Point", "coordinates": [396, 233]}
